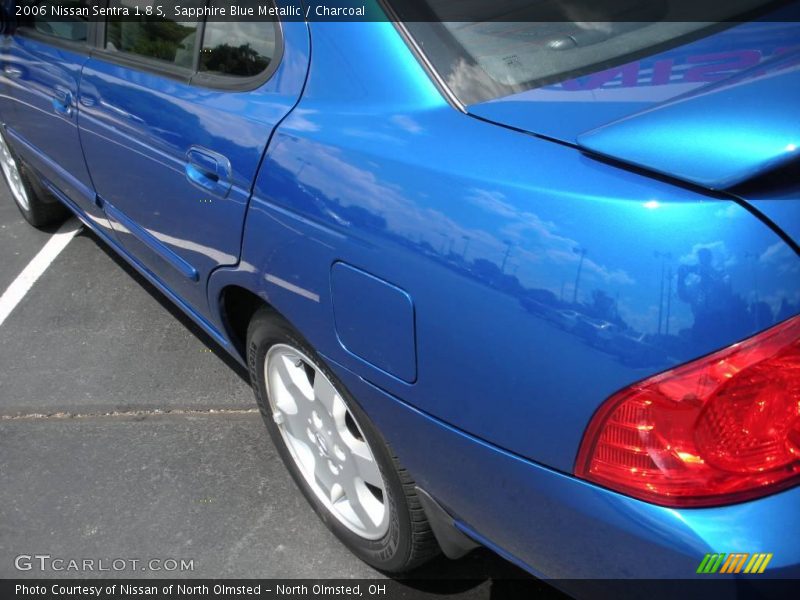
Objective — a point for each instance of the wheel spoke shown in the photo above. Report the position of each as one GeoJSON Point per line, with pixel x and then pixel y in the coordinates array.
{"type": "Point", "coordinates": [337, 493]}
{"type": "Point", "coordinates": [351, 491]}
{"type": "Point", "coordinates": [304, 409]}
{"type": "Point", "coordinates": [294, 377]}
{"type": "Point", "coordinates": [292, 409]}
{"type": "Point", "coordinates": [304, 455]}
{"type": "Point", "coordinates": [294, 424]}
{"type": "Point", "coordinates": [365, 465]}
{"type": "Point", "coordinates": [323, 475]}
{"type": "Point", "coordinates": [325, 393]}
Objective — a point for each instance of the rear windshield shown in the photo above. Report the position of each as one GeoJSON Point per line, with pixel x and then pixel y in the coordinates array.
{"type": "Point", "coordinates": [501, 47]}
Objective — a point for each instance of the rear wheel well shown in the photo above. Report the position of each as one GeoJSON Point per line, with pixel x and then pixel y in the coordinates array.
{"type": "Point", "coordinates": [238, 305]}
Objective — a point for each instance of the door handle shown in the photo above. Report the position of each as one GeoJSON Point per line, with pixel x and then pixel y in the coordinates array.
{"type": "Point", "coordinates": [12, 72]}
{"type": "Point", "coordinates": [62, 103]}
{"type": "Point", "coordinates": [208, 170]}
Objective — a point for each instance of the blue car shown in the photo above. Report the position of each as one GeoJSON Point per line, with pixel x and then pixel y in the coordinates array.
{"type": "Point", "coordinates": [526, 283]}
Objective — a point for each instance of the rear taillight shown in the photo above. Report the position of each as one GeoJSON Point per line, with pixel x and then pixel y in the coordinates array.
{"type": "Point", "coordinates": [721, 429]}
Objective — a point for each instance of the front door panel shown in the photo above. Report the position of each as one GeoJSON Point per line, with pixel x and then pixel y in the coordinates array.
{"type": "Point", "coordinates": [43, 81]}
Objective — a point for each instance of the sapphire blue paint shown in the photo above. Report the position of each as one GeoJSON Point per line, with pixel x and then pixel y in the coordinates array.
{"type": "Point", "coordinates": [714, 138]}
{"type": "Point", "coordinates": [566, 109]}
{"type": "Point", "coordinates": [527, 280]}
{"type": "Point", "coordinates": [484, 227]}
{"type": "Point", "coordinates": [200, 149]}
{"type": "Point", "coordinates": [374, 321]}
{"type": "Point", "coordinates": [44, 114]}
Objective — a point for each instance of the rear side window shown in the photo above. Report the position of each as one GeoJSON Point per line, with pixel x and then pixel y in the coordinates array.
{"type": "Point", "coordinates": [214, 52]}
{"type": "Point", "coordinates": [237, 49]}
{"type": "Point", "coordinates": [160, 38]}
{"type": "Point", "coordinates": [33, 16]}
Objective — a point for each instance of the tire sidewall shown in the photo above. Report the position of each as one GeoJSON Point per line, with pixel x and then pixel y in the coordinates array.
{"type": "Point", "coordinates": [389, 553]}
{"type": "Point", "coordinates": [40, 212]}
{"type": "Point", "coordinates": [23, 175]}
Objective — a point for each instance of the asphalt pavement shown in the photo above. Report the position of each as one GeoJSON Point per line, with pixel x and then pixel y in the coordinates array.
{"type": "Point", "coordinates": [126, 433]}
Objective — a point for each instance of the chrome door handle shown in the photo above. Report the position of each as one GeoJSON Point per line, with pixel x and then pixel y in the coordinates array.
{"type": "Point", "coordinates": [208, 170]}
{"type": "Point", "coordinates": [62, 103]}
{"type": "Point", "coordinates": [12, 72]}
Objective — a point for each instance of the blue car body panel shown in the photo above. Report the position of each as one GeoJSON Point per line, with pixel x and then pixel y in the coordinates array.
{"type": "Point", "coordinates": [522, 281]}
{"type": "Point", "coordinates": [44, 115]}
{"type": "Point", "coordinates": [781, 208]}
{"type": "Point", "coordinates": [485, 248]}
{"type": "Point", "coordinates": [569, 108]}
{"type": "Point", "coordinates": [374, 320]}
{"type": "Point", "coordinates": [691, 138]}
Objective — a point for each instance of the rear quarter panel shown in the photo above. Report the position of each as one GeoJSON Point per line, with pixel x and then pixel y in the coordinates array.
{"type": "Point", "coordinates": [486, 230]}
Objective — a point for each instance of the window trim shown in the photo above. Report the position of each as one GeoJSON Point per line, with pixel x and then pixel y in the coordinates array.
{"type": "Point", "coordinates": [235, 82]}
{"type": "Point", "coordinates": [135, 61]}
{"type": "Point", "coordinates": [78, 47]}
{"type": "Point", "coordinates": [423, 60]}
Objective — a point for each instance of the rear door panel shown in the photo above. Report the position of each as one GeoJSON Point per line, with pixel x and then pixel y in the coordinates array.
{"type": "Point", "coordinates": [173, 162]}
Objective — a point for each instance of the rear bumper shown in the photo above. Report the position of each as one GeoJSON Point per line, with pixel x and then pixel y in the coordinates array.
{"type": "Point", "coordinates": [558, 527]}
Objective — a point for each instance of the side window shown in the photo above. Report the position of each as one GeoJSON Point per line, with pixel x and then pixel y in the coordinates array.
{"type": "Point", "coordinates": [33, 16]}
{"type": "Point", "coordinates": [160, 38]}
{"type": "Point", "coordinates": [240, 49]}
{"type": "Point", "coordinates": [214, 52]}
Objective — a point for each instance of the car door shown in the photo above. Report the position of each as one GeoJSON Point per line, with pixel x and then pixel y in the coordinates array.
{"type": "Point", "coordinates": [175, 117]}
{"type": "Point", "coordinates": [42, 64]}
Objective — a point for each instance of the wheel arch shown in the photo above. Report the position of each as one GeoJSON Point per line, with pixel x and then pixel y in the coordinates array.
{"type": "Point", "coordinates": [237, 305]}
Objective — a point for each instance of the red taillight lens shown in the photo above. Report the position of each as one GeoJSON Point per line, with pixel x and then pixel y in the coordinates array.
{"type": "Point", "coordinates": [721, 429]}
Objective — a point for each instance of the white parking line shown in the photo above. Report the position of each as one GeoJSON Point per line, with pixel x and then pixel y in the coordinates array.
{"type": "Point", "coordinates": [25, 280]}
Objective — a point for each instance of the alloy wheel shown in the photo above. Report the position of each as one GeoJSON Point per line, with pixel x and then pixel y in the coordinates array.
{"type": "Point", "coordinates": [326, 442]}
{"type": "Point", "coordinates": [13, 176]}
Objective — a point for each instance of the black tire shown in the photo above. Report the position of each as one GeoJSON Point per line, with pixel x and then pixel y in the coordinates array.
{"type": "Point", "coordinates": [43, 208]}
{"type": "Point", "coordinates": [409, 541]}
